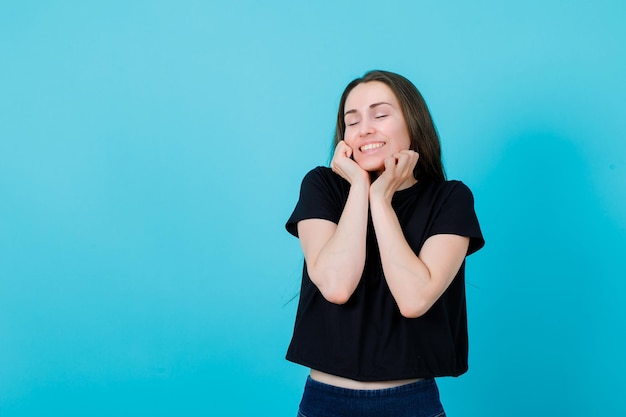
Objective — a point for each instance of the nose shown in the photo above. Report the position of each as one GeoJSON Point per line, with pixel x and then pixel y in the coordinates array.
{"type": "Point", "coordinates": [365, 128]}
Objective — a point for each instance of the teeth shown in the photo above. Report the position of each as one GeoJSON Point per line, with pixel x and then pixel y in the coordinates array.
{"type": "Point", "coordinates": [371, 146]}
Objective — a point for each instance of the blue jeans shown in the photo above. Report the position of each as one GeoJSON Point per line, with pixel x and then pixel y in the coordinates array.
{"type": "Point", "coordinates": [418, 399]}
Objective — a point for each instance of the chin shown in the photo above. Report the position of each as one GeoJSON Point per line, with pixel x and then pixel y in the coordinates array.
{"type": "Point", "coordinates": [373, 168]}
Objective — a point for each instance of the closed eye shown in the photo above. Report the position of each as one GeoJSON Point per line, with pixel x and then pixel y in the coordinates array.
{"type": "Point", "coordinates": [380, 116]}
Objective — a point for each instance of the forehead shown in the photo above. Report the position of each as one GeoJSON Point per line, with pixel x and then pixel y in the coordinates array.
{"type": "Point", "coordinates": [369, 93]}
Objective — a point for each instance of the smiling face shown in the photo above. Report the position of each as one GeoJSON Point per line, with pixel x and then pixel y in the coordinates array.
{"type": "Point", "coordinates": [375, 126]}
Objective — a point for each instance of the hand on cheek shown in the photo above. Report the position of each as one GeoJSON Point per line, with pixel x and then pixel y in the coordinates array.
{"type": "Point", "coordinates": [398, 172]}
{"type": "Point", "coordinates": [345, 166]}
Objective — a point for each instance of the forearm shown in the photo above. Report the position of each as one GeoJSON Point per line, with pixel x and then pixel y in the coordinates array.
{"type": "Point", "coordinates": [337, 268]}
{"type": "Point", "coordinates": [407, 276]}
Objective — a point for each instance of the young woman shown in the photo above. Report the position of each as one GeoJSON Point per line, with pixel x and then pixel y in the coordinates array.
{"type": "Point", "coordinates": [385, 236]}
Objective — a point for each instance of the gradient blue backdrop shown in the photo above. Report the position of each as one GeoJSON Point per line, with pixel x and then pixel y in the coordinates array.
{"type": "Point", "coordinates": [151, 151]}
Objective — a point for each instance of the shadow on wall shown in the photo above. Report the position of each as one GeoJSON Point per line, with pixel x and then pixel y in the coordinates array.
{"type": "Point", "coordinates": [553, 316]}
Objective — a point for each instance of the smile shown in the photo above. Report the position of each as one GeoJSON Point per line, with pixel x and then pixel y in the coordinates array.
{"type": "Point", "coordinates": [371, 146]}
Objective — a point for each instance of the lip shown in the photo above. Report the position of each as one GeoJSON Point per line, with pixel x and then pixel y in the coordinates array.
{"type": "Point", "coordinates": [371, 146]}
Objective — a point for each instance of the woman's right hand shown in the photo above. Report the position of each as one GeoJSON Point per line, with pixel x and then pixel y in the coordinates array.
{"type": "Point", "coordinates": [343, 165]}
{"type": "Point", "coordinates": [335, 252]}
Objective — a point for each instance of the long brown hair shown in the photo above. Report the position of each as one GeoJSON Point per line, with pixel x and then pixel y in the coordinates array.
{"type": "Point", "coordinates": [422, 131]}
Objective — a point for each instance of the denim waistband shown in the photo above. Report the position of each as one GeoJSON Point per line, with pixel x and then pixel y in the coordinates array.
{"type": "Point", "coordinates": [416, 399]}
{"type": "Point", "coordinates": [383, 392]}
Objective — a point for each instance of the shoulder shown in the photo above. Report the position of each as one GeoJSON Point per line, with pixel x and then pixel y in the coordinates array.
{"type": "Point", "coordinates": [324, 178]}
{"type": "Point", "coordinates": [451, 189]}
{"type": "Point", "coordinates": [456, 213]}
{"type": "Point", "coordinates": [322, 196]}
{"type": "Point", "coordinates": [453, 185]}
{"type": "Point", "coordinates": [321, 173]}
{"type": "Point", "coordinates": [451, 200]}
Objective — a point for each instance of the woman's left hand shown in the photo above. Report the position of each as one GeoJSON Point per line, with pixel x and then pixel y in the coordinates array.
{"type": "Point", "coordinates": [398, 172]}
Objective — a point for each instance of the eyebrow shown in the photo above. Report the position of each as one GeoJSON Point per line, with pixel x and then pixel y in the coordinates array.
{"type": "Point", "coordinates": [371, 107]}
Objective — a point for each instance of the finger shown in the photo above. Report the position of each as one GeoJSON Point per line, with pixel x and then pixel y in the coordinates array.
{"type": "Point", "coordinates": [344, 144]}
{"type": "Point", "coordinates": [414, 157]}
{"type": "Point", "coordinates": [407, 153]}
{"type": "Point", "coordinates": [339, 150]}
{"type": "Point", "coordinates": [340, 146]}
{"type": "Point", "coordinates": [406, 162]}
{"type": "Point", "coordinates": [403, 159]}
{"type": "Point", "coordinates": [412, 162]}
{"type": "Point", "coordinates": [343, 149]}
{"type": "Point", "coordinates": [390, 164]}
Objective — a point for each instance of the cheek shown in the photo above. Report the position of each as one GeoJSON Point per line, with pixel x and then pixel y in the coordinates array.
{"type": "Point", "coordinates": [348, 138]}
{"type": "Point", "coordinates": [405, 142]}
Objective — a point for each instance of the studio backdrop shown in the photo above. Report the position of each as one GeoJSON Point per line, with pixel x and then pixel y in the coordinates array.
{"type": "Point", "coordinates": [151, 152]}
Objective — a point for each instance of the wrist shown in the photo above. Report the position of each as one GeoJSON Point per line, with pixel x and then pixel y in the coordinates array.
{"type": "Point", "coordinates": [379, 200]}
{"type": "Point", "coordinates": [360, 186]}
{"type": "Point", "coordinates": [362, 180]}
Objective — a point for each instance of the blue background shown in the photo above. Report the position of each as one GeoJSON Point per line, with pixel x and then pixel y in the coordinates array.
{"type": "Point", "coordinates": [151, 151]}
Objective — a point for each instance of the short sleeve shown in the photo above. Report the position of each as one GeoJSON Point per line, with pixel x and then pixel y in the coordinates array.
{"type": "Point", "coordinates": [323, 195]}
{"type": "Point", "coordinates": [457, 216]}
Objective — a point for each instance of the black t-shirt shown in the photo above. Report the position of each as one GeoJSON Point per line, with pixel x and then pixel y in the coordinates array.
{"type": "Point", "coordinates": [367, 339]}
